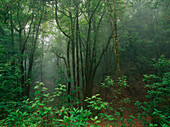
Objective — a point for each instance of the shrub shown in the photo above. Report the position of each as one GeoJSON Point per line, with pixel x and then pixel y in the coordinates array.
{"type": "Point", "coordinates": [9, 84]}
{"type": "Point", "coordinates": [158, 94]}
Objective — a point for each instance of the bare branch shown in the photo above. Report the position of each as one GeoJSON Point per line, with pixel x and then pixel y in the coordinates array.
{"type": "Point", "coordinates": [62, 57]}
{"type": "Point", "coordinates": [56, 18]}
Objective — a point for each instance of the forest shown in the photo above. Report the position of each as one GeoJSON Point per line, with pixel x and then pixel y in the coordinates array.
{"type": "Point", "coordinates": [84, 63]}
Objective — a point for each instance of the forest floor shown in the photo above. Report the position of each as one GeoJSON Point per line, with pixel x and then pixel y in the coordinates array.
{"type": "Point", "coordinates": [133, 92]}
{"type": "Point", "coordinates": [103, 124]}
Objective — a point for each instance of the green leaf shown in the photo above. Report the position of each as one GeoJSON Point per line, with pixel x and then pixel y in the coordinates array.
{"type": "Point", "coordinates": [92, 125]}
{"type": "Point", "coordinates": [96, 117]}
{"type": "Point", "coordinates": [44, 89]}
{"type": "Point", "coordinates": [97, 121]}
{"type": "Point", "coordinates": [36, 87]}
{"type": "Point", "coordinates": [36, 93]}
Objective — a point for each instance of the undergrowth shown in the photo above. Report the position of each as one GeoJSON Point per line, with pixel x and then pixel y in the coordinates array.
{"type": "Point", "coordinates": [54, 109]}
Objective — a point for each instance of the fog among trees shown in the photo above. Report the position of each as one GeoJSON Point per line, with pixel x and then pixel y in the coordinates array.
{"type": "Point", "coordinates": [84, 63]}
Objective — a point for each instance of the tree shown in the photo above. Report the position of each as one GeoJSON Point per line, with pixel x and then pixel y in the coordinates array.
{"type": "Point", "coordinates": [114, 36]}
{"type": "Point", "coordinates": [85, 21]}
{"type": "Point", "coordinates": [24, 20]}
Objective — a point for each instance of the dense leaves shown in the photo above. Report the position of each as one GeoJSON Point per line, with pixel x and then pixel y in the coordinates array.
{"type": "Point", "coordinates": [158, 93]}
{"type": "Point", "coordinates": [87, 45]}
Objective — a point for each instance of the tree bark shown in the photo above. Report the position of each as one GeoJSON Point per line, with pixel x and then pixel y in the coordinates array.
{"type": "Point", "coordinates": [77, 51]}
{"type": "Point", "coordinates": [114, 36]}
{"type": "Point", "coordinates": [31, 59]}
{"type": "Point", "coordinates": [68, 69]}
{"type": "Point", "coordinates": [73, 51]}
{"type": "Point", "coordinates": [82, 68]}
{"type": "Point", "coordinates": [116, 49]}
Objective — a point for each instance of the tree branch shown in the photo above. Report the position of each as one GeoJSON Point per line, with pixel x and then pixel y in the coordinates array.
{"type": "Point", "coordinates": [62, 57]}
{"type": "Point", "coordinates": [56, 18]}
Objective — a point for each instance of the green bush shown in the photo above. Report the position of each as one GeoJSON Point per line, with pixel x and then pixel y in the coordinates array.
{"type": "Point", "coordinates": [9, 84]}
{"type": "Point", "coordinates": [40, 112]}
{"type": "Point", "coordinates": [157, 107]}
{"type": "Point", "coordinates": [118, 96]}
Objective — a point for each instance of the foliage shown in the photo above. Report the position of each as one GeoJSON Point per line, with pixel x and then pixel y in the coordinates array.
{"type": "Point", "coordinates": [119, 108]}
{"type": "Point", "coordinates": [79, 35]}
{"type": "Point", "coordinates": [9, 79]}
{"type": "Point", "coordinates": [40, 112]}
{"type": "Point", "coordinates": [10, 86]}
{"type": "Point", "coordinates": [95, 105]}
{"type": "Point", "coordinates": [119, 85]}
{"type": "Point", "coordinates": [157, 106]}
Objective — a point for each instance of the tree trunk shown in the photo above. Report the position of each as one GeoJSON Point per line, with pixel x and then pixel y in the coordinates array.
{"type": "Point", "coordinates": [31, 59]}
{"type": "Point", "coordinates": [77, 51]}
{"type": "Point", "coordinates": [82, 68]}
{"type": "Point", "coordinates": [114, 36]}
{"type": "Point", "coordinates": [41, 66]}
{"type": "Point", "coordinates": [73, 52]}
{"type": "Point", "coordinates": [12, 35]}
{"type": "Point", "coordinates": [22, 64]}
{"type": "Point", "coordinates": [116, 50]}
{"type": "Point", "coordinates": [68, 69]}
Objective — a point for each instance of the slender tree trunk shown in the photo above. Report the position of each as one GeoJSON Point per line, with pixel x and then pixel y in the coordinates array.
{"type": "Point", "coordinates": [42, 57]}
{"type": "Point", "coordinates": [82, 69]}
{"type": "Point", "coordinates": [114, 36]}
{"type": "Point", "coordinates": [88, 90]}
{"type": "Point", "coordinates": [12, 35]}
{"type": "Point", "coordinates": [87, 61]}
{"type": "Point", "coordinates": [68, 69]}
{"type": "Point", "coordinates": [31, 59]}
{"type": "Point", "coordinates": [77, 51]}
{"type": "Point", "coordinates": [93, 59]}
{"type": "Point", "coordinates": [22, 64]}
{"type": "Point", "coordinates": [116, 50]}
{"type": "Point", "coordinates": [41, 78]}
{"type": "Point", "coordinates": [71, 40]}
{"type": "Point", "coordinates": [73, 52]}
